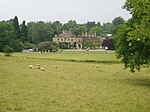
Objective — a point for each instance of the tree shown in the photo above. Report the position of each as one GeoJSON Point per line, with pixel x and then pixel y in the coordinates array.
{"type": "Point", "coordinates": [24, 32]}
{"type": "Point", "coordinates": [118, 21]}
{"type": "Point", "coordinates": [107, 28]}
{"type": "Point", "coordinates": [132, 39]}
{"type": "Point", "coordinates": [90, 24]}
{"type": "Point", "coordinates": [17, 28]}
{"type": "Point", "coordinates": [70, 25]}
{"type": "Point", "coordinates": [96, 30]}
{"type": "Point", "coordinates": [45, 46]}
{"type": "Point", "coordinates": [7, 34]}
{"type": "Point", "coordinates": [40, 32]}
{"type": "Point", "coordinates": [108, 42]}
{"type": "Point", "coordinates": [57, 27]}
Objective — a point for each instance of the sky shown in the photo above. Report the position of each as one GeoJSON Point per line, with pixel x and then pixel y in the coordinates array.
{"type": "Point", "coordinates": [63, 10]}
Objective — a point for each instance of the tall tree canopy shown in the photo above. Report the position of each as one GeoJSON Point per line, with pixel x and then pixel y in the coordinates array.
{"type": "Point", "coordinates": [24, 32]}
{"type": "Point", "coordinates": [133, 38]}
{"type": "Point", "coordinates": [118, 21]}
{"type": "Point", "coordinates": [16, 26]}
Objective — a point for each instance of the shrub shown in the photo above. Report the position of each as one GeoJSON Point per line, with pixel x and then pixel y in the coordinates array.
{"type": "Point", "coordinates": [8, 50]}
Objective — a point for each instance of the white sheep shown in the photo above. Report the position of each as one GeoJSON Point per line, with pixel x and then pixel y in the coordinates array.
{"type": "Point", "coordinates": [30, 66]}
{"type": "Point", "coordinates": [43, 69]}
{"type": "Point", "coordinates": [38, 66]}
{"type": "Point", "coordinates": [55, 66]}
{"type": "Point", "coordinates": [97, 66]}
{"type": "Point", "coordinates": [115, 72]}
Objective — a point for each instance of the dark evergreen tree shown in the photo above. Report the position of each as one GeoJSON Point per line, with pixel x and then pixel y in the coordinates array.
{"type": "Point", "coordinates": [24, 33]}
{"type": "Point", "coordinates": [17, 28]}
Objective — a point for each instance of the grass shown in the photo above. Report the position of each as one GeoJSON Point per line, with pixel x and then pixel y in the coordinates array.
{"type": "Point", "coordinates": [72, 87]}
{"type": "Point", "coordinates": [83, 56]}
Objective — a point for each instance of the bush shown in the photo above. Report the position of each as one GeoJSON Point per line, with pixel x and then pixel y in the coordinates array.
{"type": "Point", "coordinates": [45, 46]}
{"type": "Point", "coordinates": [8, 50]}
{"type": "Point", "coordinates": [29, 45]}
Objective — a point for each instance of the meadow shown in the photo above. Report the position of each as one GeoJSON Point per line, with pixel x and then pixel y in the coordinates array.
{"type": "Point", "coordinates": [82, 82]}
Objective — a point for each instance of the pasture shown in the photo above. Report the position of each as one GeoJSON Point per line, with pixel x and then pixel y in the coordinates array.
{"type": "Point", "coordinates": [82, 82]}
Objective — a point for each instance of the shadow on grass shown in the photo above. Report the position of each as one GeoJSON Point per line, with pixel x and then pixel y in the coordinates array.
{"type": "Point", "coordinates": [74, 60]}
{"type": "Point", "coordinates": [143, 82]}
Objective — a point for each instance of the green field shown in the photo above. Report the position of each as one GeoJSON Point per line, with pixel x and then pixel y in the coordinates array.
{"type": "Point", "coordinates": [89, 56]}
{"type": "Point", "coordinates": [74, 86]}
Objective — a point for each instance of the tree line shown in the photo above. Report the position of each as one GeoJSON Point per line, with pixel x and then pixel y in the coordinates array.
{"type": "Point", "coordinates": [25, 36]}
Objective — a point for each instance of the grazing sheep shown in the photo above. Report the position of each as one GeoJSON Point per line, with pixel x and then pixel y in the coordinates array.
{"type": "Point", "coordinates": [55, 66]}
{"type": "Point", "coordinates": [38, 66]}
{"type": "Point", "coordinates": [43, 69]}
{"type": "Point", "coordinates": [115, 72]}
{"type": "Point", "coordinates": [97, 66]}
{"type": "Point", "coordinates": [30, 66]}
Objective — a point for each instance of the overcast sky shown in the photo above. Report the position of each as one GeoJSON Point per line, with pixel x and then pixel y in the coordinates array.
{"type": "Point", "coordinates": [63, 10]}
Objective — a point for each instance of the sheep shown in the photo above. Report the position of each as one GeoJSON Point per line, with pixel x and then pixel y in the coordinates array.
{"type": "Point", "coordinates": [30, 66]}
{"type": "Point", "coordinates": [38, 66]}
{"type": "Point", "coordinates": [55, 66]}
{"type": "Point", "coordinates": [97, 66]}
{"type": "Point", "coordinates": [115, 72]}
{"type": "Point", "coordinates": [43, 69]}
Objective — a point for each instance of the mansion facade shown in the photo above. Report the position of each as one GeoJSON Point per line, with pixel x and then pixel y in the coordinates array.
{"type": "Point", "coordinates": [71, 41]}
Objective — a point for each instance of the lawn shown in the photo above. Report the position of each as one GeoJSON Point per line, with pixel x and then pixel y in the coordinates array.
{"type": "Point", "coordinates": [89, 56]}
{"type": "Point", "coordinates": [72, 86]}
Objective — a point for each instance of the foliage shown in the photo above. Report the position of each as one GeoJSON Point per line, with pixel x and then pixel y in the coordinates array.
{"type": "Point", "coordinates": [96, 30]}
{"type": "Point", "coordinates": [28, 45]}
{"type": "Point", "coordinates": [16, 27]}
{"type": "Point", "coordinates": [91, 45]}
{"type": "Point", "coordinates": [40, 32]}
{"type": "Point", "coordinates": [132, 39]}
{"type": "Point", "coordinates": [17, 45]}
{"type": "Point", "coordinates": [109, 42]}
{"type": "Point", "coordinates": [8, 50]}
{"type": "Point", "coordinates": [118, 21]}
{"type": "Point", "coordinates": [45, 46]}
{"type": "Point", "coordinates": [64, 45]}
{"type": "Point", "coordinates": [108, 28]}
{"type": "Point", "coordinates": [24, 32]}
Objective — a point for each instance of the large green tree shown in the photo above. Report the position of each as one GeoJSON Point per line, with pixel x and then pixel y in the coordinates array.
{"type": "Point", "coordinates": [97, 30]}
{"type": "Point", "coordinates": [133, 38]}
{"type": "Point", "coordinates": [118, 21]}
{"type": "Point", "coordinates": [107, 28]}
{"type": "Point", "coordinates": [40, 32]}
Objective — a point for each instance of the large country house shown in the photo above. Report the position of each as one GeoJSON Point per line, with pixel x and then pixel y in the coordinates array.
{"type": "Point", "coordinates": [70, 41]}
